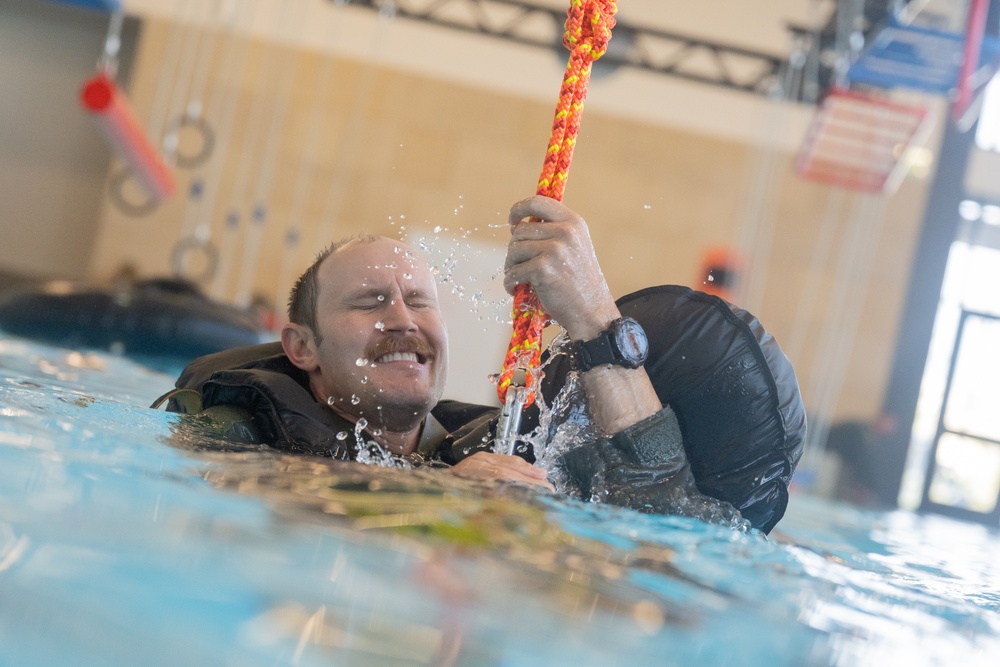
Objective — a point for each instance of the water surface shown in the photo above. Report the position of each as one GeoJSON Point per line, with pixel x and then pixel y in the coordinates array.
{"type": "Point", "coordinates": [128, 538]}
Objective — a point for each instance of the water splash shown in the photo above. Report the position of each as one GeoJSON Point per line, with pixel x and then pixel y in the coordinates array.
{"type": "Point", "coordinates": [371, 452]}
{"type": "Point", "coordinates": [563, 425]}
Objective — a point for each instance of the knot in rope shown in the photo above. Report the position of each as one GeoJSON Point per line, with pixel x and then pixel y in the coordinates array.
{"type": "Point", "coordinates": [588, 30]}
{"type": "Point", "coordinates": [588, 26]}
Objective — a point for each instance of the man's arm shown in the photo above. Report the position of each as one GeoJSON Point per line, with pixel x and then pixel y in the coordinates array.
{"type": "Point", "coordinates": [556, 257]}
{"type": "Point", "coordinates": [550, 249]}
{"type": "Point", "coordinates": [642, 464]}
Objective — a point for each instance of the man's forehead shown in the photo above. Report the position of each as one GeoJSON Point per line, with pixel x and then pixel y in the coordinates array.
{"type": "Point", "coordinates": [383, 258]}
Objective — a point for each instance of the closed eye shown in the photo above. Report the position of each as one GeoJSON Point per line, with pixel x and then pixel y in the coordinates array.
{"type": "Point", "coordinates": [367, 304]}
{"type": "Point", "coordinates": [420, 300]}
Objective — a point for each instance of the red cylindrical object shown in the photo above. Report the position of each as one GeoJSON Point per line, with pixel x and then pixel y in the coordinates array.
{"type": "Point", "coordinates": [110, 109]}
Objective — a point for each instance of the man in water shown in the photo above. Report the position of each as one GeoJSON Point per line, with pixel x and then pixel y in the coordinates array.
{"type": "Point", "coordinates": [366, 327]}
{"type": "Point", "coordinates": [367, 342]}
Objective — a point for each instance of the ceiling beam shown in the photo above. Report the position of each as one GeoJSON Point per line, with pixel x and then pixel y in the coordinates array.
{"type": "Point", "coordinates": [658, 51]}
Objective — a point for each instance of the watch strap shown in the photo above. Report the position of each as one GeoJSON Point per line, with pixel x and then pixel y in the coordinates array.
{"type": "Point", "coordinates": [592, 353]}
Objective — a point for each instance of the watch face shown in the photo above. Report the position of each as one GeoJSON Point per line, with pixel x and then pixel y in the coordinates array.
{"type": "Point", "coordinates": [632, 342]}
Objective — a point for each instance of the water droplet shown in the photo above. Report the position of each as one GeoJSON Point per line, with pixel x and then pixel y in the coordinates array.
{"type": "Point", "coordinates": [408, 276]}
{"type": "Point", "coordinates": [360, 361]}
{"type": "Point", "coordinates": [647, 206]}
{"type": "Point", "coordinates": [380, 325]}
{"type": "Point", "coordinates": [355, 399]}
{"type": "Point", "coordinates": [381, 297]}
{"type": "Point", "coordinates": [377, 432]}
{"type": "Point", "coordinates": [362, 423]}
{"type": "Point", "coordinates": [396, 249]}
{"type": "Point", "coordinates": [342, 435]}
{"type": "Point", "coordinates": [329, 400]}
{"type": "Point", "coordinates": [364, 380]}
{"type": "Point", "coordinates": [437, 229]}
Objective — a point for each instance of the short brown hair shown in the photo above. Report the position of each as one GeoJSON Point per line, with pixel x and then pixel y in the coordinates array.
{"type": "Point", "coordinates": [302, 298]}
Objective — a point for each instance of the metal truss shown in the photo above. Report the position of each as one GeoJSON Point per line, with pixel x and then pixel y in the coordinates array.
{"type": "Point", "coordinates": [642, 48]}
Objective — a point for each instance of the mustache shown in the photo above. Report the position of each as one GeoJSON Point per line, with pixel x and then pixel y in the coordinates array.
{"type": "Point", "coordinates": [393, 344]}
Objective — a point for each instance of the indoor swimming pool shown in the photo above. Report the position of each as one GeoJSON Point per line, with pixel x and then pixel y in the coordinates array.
{"type": "Point", "coordinates": [126, 539]}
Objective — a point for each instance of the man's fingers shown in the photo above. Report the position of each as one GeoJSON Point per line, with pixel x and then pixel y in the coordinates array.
{"type": "Point", "coordinates": [501, 467]}
{"type": "Point", "coordinates": [543, 208]}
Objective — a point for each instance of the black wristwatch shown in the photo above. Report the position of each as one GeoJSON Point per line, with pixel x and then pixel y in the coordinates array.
{"type": "Point", "coordinates": [623, 343]}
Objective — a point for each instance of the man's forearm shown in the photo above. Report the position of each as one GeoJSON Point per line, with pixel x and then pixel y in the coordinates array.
{"type": "Point", "coordinates": [619, 397]}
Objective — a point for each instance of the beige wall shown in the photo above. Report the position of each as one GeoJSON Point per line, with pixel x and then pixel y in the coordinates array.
{"type": "Point", "coordinates": [52, 158]}
{"type": "Point", "coordinates": [450, 155]}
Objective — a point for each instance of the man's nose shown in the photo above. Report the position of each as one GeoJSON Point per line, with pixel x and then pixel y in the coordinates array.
{"type": "Point", "coordinates": [398, 317]}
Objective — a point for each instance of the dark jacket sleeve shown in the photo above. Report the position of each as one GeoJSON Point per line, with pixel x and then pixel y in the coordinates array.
{"type": "Point", "coordinates": [646, 468]}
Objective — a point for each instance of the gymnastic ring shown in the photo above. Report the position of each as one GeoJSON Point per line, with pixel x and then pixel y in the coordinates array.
{"type": "Point", "coordinates": [189, 244]}
{"type": "Point", "coordinates": [116, 191]}
{"type": "Point", "coordinates": [204, 130]}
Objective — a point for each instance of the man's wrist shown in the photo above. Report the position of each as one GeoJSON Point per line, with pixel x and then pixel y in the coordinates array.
{"type": "Point", "coordinates": [591, 324]}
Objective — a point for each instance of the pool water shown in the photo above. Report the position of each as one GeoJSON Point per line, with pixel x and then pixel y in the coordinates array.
{"type": "Point", "coordinates": [128, 539]}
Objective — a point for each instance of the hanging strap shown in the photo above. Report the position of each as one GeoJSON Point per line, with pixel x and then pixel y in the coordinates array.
{"type": "Point", "coordinates": [588, 30]}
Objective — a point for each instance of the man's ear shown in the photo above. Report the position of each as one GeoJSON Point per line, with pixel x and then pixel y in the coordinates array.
{"type": "Point", "coordinates": [299, 345]}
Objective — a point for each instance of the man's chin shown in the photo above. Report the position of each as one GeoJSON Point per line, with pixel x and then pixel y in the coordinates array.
{"type": "Point", "coordinates": [399, 407]}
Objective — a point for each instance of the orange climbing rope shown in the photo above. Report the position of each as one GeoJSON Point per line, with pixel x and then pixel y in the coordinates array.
{"type": "Point", "coordinates": [588, 29]}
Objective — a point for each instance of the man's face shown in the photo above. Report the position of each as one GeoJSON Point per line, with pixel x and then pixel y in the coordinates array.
{"type": "Point", "coordinates": [383, 353]}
